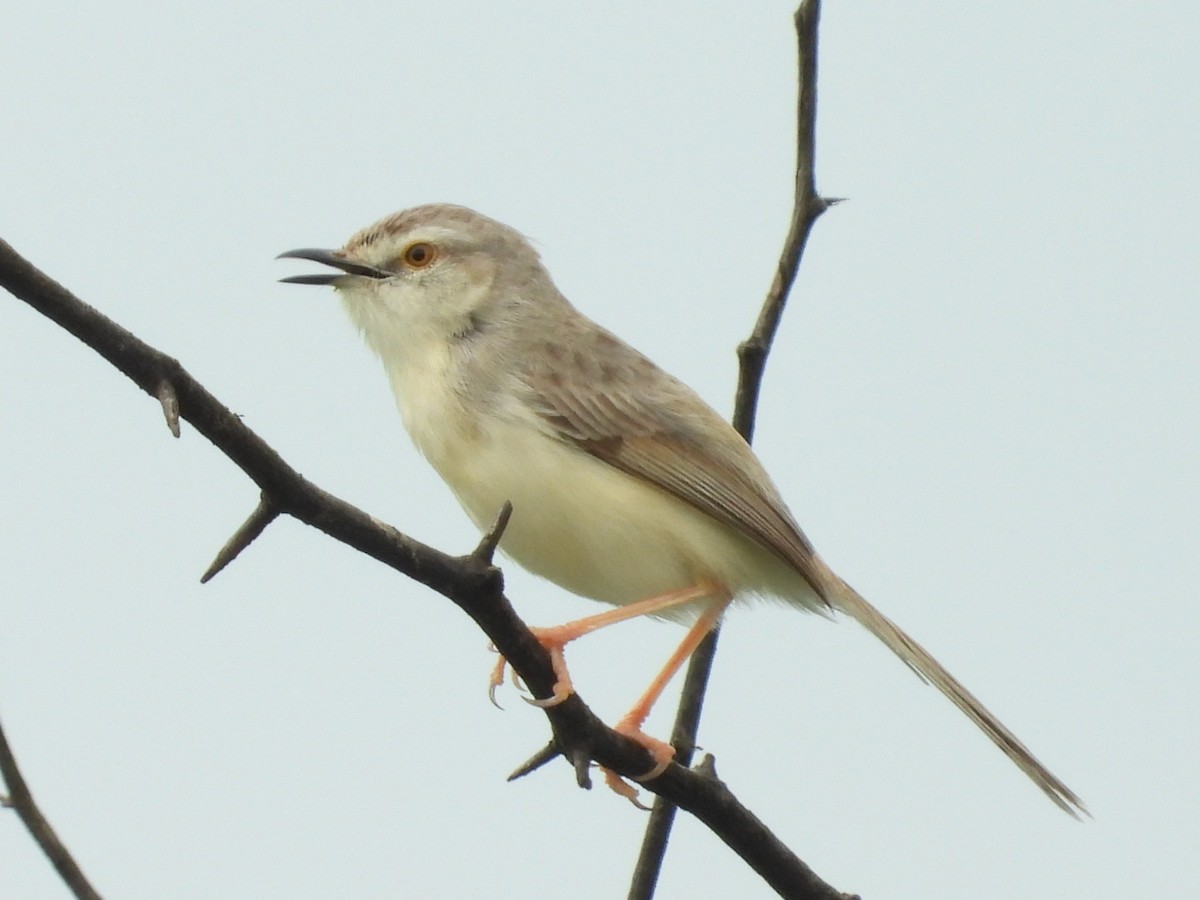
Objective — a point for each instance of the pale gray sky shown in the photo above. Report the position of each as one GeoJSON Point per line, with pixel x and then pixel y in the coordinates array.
{"type": "Point", "coordinates": [982, 408]}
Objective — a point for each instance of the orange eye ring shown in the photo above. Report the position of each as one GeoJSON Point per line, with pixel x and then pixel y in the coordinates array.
{"type": "Point", "coordinates": [419, 255]}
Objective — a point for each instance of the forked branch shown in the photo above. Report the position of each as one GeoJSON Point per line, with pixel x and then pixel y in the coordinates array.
{"type": "Point", "coordinates": [807, 206]}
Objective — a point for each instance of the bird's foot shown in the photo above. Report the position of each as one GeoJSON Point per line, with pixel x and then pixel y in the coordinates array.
{"type": "Point", "coordinates": [631, 727]}
{"type": "Point", "coordinates": [553, 640]}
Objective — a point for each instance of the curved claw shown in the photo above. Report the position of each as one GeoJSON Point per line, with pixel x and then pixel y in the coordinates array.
{"type": "Point", "coordinates": [496, 679]}
{"type": "Point", "coordinates": [561, 693]}
{"type": "Point", "coordinates": [659, 767]}
{"type": "Point", "coordinates": [619, 785]}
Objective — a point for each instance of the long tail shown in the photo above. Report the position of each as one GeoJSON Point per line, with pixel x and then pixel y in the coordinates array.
{"type": "Point", "coordinates": [846, 599]}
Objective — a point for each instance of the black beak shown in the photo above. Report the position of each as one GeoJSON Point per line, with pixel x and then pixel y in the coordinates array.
{"type": "Point", "coordinates": [329, 258]}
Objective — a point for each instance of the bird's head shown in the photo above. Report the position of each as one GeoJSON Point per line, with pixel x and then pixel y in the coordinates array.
{"type": "Point", "coordinates": [435, 272]}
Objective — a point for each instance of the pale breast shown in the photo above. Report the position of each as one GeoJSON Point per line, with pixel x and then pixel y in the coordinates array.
{"type": "Point", "coordinates": [597, 531]}
{"type": "Point", "coordinates": [442, 429]}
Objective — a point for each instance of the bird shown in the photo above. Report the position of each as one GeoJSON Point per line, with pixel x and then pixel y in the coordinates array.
{"type": "Point", "coordinates": [625, 486]}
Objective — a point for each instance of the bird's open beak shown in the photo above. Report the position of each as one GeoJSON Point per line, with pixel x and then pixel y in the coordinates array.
{"type": "Point", "coordinates": [329, 258]}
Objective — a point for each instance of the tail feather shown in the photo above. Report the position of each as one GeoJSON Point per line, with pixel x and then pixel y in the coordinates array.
{"type": "Point", "coordinates": [917, 658]}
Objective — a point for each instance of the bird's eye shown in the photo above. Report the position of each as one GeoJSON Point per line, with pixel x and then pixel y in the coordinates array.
{"type": "Point", "coordinates": [419, 255]}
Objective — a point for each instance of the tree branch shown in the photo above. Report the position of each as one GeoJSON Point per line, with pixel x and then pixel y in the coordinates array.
{"type": "Point", "coordinates": [470, 581]}
{"type": "Point", "coordinates": [21, 800]}
{"type": "Point", "coordinates": [752, 358]}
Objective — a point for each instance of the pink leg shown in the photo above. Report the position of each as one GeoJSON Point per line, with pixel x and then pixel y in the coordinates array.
{"type": "Point", "coordinates": [631, 723]}
{"type": "Point", "coordinates": [556, 638]}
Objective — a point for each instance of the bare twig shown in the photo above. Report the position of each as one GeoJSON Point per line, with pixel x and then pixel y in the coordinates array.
{"type": "Point", "coordinates": [264, 514]}
{"type": "Point", "coordinates": [752, 358]}
{"type": "Point", "coordinates": [473, 585]}
{"type": "Point", "coordinates": [21, 800]}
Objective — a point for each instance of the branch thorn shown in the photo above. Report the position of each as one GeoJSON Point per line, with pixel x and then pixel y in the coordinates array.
{"type": "Point", "coordinates": [264, 514]}
{"type": "Point", "coordinates": [535, 762]}
{"type": "Point", "coordinates": [491, 538]}
{"type": "Point", "coordinates": [165, 393]}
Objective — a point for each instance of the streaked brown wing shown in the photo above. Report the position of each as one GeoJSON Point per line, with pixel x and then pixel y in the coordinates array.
{"type": "Point", "coordinates": [609, 400]}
